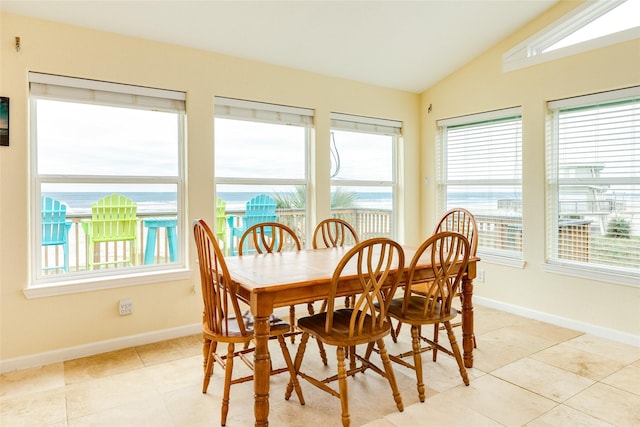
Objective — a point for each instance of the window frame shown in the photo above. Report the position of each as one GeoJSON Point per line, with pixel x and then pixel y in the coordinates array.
{"type": "Point", "coordinates": [507, 257]}
{"type": "Point", "coordinates": [553, 263]}
{"type": "Point", "coordinates": [376, 126]}
{"type": "Point", "coordinates": [40, 285]}
{"type": "Point", "coordinates": [269, 113]}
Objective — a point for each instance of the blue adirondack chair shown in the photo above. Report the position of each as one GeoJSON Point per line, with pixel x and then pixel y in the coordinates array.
{"type": "Point", "coordinates": [55, 229]}
{"type": "Point", "coordinates": [261, 208]}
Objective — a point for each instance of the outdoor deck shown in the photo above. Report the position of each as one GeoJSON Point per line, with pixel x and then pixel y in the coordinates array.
{"type": "Point", "coordinates": [496, 232]}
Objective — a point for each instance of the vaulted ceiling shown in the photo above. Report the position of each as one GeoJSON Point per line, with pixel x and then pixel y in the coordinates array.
{"type": "Point", "coordinates": [407, 45]}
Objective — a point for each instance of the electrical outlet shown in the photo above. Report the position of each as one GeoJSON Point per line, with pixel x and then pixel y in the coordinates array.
{"type": "Point", "coordinates": [480, 276]}
{"type": "Point", "coordinates": [126, 306]}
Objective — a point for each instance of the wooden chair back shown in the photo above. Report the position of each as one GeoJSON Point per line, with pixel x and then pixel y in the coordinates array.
{"type": "Point", "coordinates": [261, 208]}
{"type": "Point", "coordinates": [221, 307]}
{"type": "Point", "coordinates": [460, 221]}
{"type": "Point", "coordinates": [448, 252]}
{"type": "Point", "coordinates": [376, 265]}
{"type": "Point", "coordinates": [334, 232]}
{"type": "Point", "coordinates": [269, 237]}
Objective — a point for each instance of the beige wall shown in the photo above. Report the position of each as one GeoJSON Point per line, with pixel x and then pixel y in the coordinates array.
{"type": "Point", "coordinates": [481, 86]}
{"type": "Point", "coordinates": [51, 324]}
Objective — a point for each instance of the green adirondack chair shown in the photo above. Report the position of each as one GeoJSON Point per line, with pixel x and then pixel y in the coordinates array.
{"type": "Point", "coordinates": [221, 224]}
{"type": "Point", "coordinates": [113, 219]}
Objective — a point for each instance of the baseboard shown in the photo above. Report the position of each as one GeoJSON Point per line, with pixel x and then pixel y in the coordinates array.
{"type": "Point", "coordinates": [564, 322]}
{"type": "Point", "coordinates": [70, 353]}
{"type": "Point", "coordinates": [91, 349]}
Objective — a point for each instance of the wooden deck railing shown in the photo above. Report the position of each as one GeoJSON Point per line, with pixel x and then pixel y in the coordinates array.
{"type": "Point", "coordinates": [500, 232]}
{"type": "Point", "coordinates": [53, 255]}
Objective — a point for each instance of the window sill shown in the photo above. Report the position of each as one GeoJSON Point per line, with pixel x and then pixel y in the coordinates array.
{"type": "Point", "coordinates": [592, 274]}
{"type": "Point", "coordinates": [94, 284]}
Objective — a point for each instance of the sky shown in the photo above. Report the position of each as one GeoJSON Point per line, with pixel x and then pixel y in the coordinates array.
{"type": "Point", "coordinates": [93, 140]}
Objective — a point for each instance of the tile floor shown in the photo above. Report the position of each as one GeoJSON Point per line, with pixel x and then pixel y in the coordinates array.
{"type": "Point", "coordinates": [526, 373]}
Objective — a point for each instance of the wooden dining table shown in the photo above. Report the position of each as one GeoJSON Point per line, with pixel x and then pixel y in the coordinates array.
{"type": "Point", "coordinates": [268, 281]}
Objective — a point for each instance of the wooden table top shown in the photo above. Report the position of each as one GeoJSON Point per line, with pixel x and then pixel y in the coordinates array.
{"type": "Point", "coordinates": [293, 277]}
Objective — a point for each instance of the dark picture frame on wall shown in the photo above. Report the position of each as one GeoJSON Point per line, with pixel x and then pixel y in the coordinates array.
{"type": "Point", "coordinates": [4, 120]}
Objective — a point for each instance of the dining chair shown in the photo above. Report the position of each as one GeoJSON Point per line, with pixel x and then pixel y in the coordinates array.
{"type": "Point", "coordinates": [223, 321]}
{"type": "Point", "coordinates": [55, 229]}
{"type": "Point", "coordinates": [270, 237]}
{"type": "Point", "coordinates": [374, 267]}
{"type": "Point", "coordinates": [461, 221]}
{"type": "Point", "coordinates": [448, 253]}
{"type": "Point", "coordinates": [332, 233]}
{"type": "Point", "coordinates": [259, 209]}
{"type": "Point", "coordinates": [113, 219]}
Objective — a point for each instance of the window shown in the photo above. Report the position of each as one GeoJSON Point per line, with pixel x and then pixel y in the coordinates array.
{"type": "Point", "coordinates": [363, 172]}
{"type": "Point", "coordinates": [480, 169]}
{"type": "Point", "coordinates": [593, 185]}
{"type": "Point", "coordinates": [92, 139]}
{"type": "Point", "coordinates": [261, 149]}
{"type": "Point", "coordinates": [593, 25]}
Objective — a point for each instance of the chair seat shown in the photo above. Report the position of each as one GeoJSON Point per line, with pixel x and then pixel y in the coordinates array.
{"type": "Point", "coordinates": [232, 334]}
{"type": "Point", "coordinates": [415, 314]}
{"type": "Point", "coordinates": [339, 335]}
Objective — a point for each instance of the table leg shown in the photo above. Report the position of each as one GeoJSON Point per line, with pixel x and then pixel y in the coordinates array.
{"type": "Point", "coordinates": [262, 367]}
{"type": "Point", "coordinates": [467, 321]}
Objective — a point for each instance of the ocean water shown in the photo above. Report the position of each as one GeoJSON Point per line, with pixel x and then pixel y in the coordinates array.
{"type": "Point", "coordinates": [79, 203]}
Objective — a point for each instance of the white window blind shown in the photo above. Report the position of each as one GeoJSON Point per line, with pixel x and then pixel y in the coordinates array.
{"type": "Point", "coordinates": [61, 88]}
{"type": "Point", "coordinates": [353, 123]}
{"type": "Point", "coordinates": [593, 182]}
{"type": "Point", "coordinates": [480, 169]}
{"type": "Point", "coordinates": [239, 109]}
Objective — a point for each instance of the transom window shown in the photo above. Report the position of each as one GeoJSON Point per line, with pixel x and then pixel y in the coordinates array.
{"type": "Point", "coordinates": [593, 185]}
{"type": "Point", "coordinates": [108, 186]}
{"type": "Point", "coordinates": [592, 25]}
{"type": "Point", "coordinates": [480, 169]}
